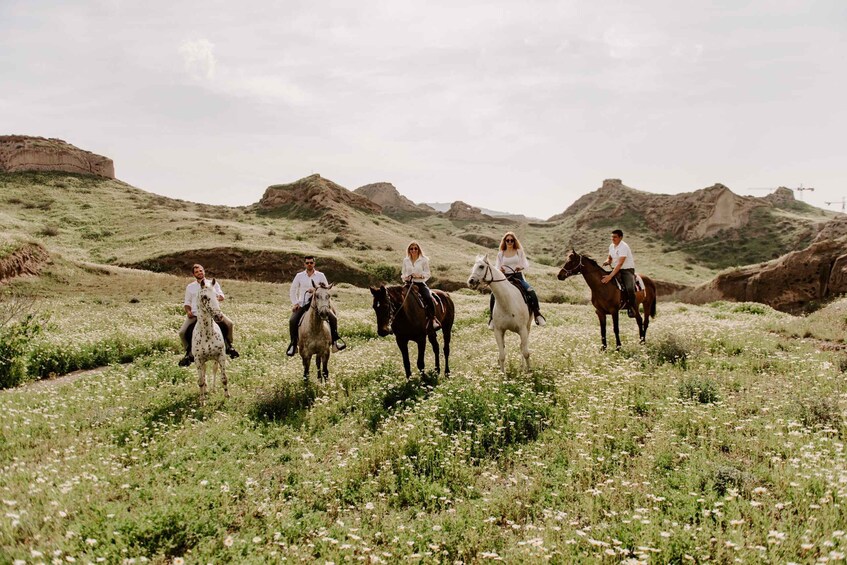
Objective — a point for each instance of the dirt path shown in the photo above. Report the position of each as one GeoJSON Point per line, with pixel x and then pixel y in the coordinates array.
{"type": "Point", "coordinates": [50, 384]}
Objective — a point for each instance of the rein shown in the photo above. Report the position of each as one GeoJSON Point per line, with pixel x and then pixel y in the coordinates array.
{"type": "Point", "coordinates": [392, 312]}
{"type": "Point", "coordinates": [490, 271]}
{"type": "Point", "coordinates": [571, 272]}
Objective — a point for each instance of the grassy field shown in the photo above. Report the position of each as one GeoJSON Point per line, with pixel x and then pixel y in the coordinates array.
{"type": "Point", "coordinates": [722, 439]}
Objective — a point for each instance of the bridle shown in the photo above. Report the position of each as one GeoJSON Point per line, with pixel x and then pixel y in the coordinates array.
{"type": "Point", "coordinates": [490, 271]}
{"type": "Point", "coordinates": [571, 272]}
{"type": "Point", "coordinates": [393, 310]}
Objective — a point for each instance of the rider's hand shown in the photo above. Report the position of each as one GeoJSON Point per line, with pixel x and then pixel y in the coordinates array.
{"type": "Point", "coordinates": [295, 307]}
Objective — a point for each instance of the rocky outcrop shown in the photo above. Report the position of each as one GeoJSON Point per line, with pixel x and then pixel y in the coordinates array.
{"type": "Point", "coordinates": [782, 197]}
{"type": "Point", "coordinates": [25, 259]}
{"type": "Point", "coordinates": [690, 216]}
{"type": "Point", "coordinates": [833, 229]}
{"type": "Point", "coordinates": [315, 197]}
{"type": "Point", "coordinates": [390, 200]}
{"type": "Point", "coordinates": [817, 273]}
{"type": "Point", "coordinates": [24, 153]}
{"type": "Point", "coordinates": [461, 211]}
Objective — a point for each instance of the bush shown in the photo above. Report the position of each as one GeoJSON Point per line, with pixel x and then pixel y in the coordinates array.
{"type": "Point", "coordinates": [820, 412]}
{"type": "Point", "coordinates": [385, 273]}
{"type": "Point", "coordinates": [704, 391]}
{"type": "Point", "coordinates": [15, 338]}
{"type": "Point", "coordinates": [670, 350]}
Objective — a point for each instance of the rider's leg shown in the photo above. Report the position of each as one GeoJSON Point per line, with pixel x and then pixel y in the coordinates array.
{"type": "Point", "coordinates": [628, 279]}
{"type": "Point", "coordinates": [293, 328]}
{"type": "Point", "coordinates": [491, 312]}
{"type": "Point", "coordinates": [533, 301]}
{"type": "Point", "coordinates": [226, 326]}
{"type": "Point", "coordinates": [185, 334]}
{"type": "Point", "coordinates": [429, 305]}
{"type": "Point", "coordinates": [337, 342]}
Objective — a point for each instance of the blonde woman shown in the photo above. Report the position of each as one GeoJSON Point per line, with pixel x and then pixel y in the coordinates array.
{"type": "Point", "coordinates": [512, 262]}
{"type": "Point", "coordinates": [416, 271]}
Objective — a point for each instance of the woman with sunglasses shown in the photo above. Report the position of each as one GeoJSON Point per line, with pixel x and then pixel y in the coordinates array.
{"type": "Point", "coordinates": [512, 262]}
{"type": "Point", "coordinates": [416, 271]}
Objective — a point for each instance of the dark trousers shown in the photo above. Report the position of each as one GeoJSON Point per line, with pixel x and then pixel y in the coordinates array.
{"type": "Point", "coordinates": [426, 296]}
{"type": "Point", "coordinates": [189, 333]}
{"type": "Point", "coordinates": [294, 323]}
{"type": "Point", "coordinates": [530, 292]}
{"type": "Point", "coordinates": [628, 280]}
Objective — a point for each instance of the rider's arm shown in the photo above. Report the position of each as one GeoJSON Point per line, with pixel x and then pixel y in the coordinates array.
{"type": "Point", "coordinates": [618, 266]}
{"type": "Point", "coordinates": [294, 291]}
{"type": "Point", "coordinates": [523, 264]}
{"type": "Point", "coordinates": [425, 274]}
{"type": "Point", "coordinates": [406, 272]}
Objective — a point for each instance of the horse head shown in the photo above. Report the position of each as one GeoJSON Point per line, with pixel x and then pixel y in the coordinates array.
{"type": "Point", "coordinates": [383, 308]}
{"type": "Point", "coordinates": [481, 272]}
{"type": "Point", "coordinates": [572, 266]}
{"type": "Point", "coordinates": [208, 299]}
{"type": "Point", "coordinates": [322, 300]}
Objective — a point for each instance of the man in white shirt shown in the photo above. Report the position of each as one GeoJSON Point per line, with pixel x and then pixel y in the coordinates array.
{"type": "Point", "coordinates": [300, 302]}
{"type": "Point", "coordinates": [190, 306]}
{"type": "Point", "coordinates": [620, 255]}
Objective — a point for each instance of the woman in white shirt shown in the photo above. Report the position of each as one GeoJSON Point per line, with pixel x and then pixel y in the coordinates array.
{"type": "Point", "coordinates": [416, 271]}
{"type": "Point", "coordinates": [512, 262]}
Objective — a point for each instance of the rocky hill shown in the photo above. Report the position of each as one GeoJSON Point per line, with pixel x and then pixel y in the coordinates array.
{"type": "Point", "coordinates": [314, 197]}
{"type": "Point", "coordinates": [791, 283]}
{"type": "Point", "coordinates": [24, 153]}
{"type": "Point", "coordinates": [390, 200]}
{"type": "Point", "coordinates": [461, 211]}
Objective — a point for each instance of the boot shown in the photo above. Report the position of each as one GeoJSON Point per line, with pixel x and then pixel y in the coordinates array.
{"type": "Point", "coordinates": [338, 344]}
{"type": "Point", "coordinates": [433, 321]}
{"type": "Point", "coordinates": [187, 360]}
{"type": "Point", "coordinates": [292, 349]}
{"type": "Point", "coordinates": [536, 309]}
{"type": "Point", "coordinates": [540, 320]}
{"type": "Point", "coordinates": [232, 352]}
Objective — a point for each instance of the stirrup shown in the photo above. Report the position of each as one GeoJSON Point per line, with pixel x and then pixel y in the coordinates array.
{"type": "Point", "coordinates": [187, 360]}
{"type": "Point", "coordinates": [434, 324]}
{"type": "Point", "coordinates": [339, 345]}
{"type": "Point", "coordinates": [232, 353]}
{"type": "Point", "coordinates": [292, 349]}
{"type": "Point", "coordinates": [540, 320]}
{"type": "Point", "coordinates": [491, 324]}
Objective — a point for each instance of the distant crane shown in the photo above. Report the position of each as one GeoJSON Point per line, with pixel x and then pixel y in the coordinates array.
{"type": "Point", "coordinates": [843, 203]}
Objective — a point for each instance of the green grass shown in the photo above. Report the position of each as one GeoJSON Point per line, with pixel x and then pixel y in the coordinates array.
{"type": "Point", "coordinates": [735, 454]}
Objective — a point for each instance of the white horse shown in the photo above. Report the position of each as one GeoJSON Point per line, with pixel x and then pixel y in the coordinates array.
{"type": "Point", "coordinates": [314, 336]}
{"type": "Point", "coordinates": [510, 311]}
{"type": "Point", "coordinates": [207, 343]}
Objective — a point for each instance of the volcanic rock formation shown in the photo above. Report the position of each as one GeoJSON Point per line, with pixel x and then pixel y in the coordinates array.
{"type": "Point", "coordinates": [25, 153]}
{"type": "Point", "coordinates": [390, 200]}
{"type": "Point", "coordinates": [789, 284]}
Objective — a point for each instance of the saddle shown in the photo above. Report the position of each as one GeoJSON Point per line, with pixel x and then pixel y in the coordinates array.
{"type": "Point", "coordinates": [517, 284]}
{"type": "Point", "coordinates": [640, 293]}
{"type": "Point", "coordinates": [436, 301]}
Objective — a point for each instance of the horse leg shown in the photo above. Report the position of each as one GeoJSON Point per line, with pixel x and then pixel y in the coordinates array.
{"type": "Point", "coordinates": [403, 344]}
{"type": "Point", "coordinates": [307, 360]}
{"type": "Point", "coordinates": [433, 340]}
{"type": "Point", "coordinates": [326, 367]}
{"type": "Point", "coordinates": [446, 333]}
{"type": "Point", "coordinates": [222, 366]}
{"type": "Point", "coordinates": [525, 347]}
{"type": "Point", "coordinates": [640, 321]}
{"type": "Point", "coordinates": [499, 335]}
{"type": "Point", "coordinates": [421, 352]}
{"type": "Point", "coordinates": [616, 327]}
{"type": "Point", "coordinates": [602, 317]}
{"type": "Point", "coordinates": [201, 380]}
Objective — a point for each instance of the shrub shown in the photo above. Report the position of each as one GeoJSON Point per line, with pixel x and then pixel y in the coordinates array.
{"type": "Point", "coordinates": [15, 339]}
{"type": "Point", "coordinates": [49, 231]}
{"type": "Point", "coordinates": [383, 272]}
{"type": "Point", "coordinates": [748, 308]}
{"type": "Point", "coordinates": [703, 390]}
{"type": "Point", "coordinates": [670, 350]}
{"type": "Point", "coordinates": [821, 412]}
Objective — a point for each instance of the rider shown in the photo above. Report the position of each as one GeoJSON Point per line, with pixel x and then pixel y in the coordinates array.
{"type": "Point", "coordinates": [511, 261]}
{"type": "Point", "coordinates": [190, 306]}
{"type": "Point", "coordinates": [624, 263]}
{"type": "Point", "coordinates": [416, 271]}
{"type": "Point", "coordinates": [301, 300]}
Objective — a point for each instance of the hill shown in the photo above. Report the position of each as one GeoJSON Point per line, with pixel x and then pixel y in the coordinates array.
{"type": "Point", "coordinates": [27, 153]}
{"type": "Point", "coordinates": [393, 204]}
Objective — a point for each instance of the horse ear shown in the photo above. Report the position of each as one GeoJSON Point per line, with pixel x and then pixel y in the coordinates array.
{"type": "Point", "coordinates": [214, 282]}
{"type": "Point", "coordinates": [313, 284]}
{"type": "Point", "coordinates": [373, 290]}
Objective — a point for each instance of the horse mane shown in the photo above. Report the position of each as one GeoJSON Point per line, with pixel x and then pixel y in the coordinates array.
{"type": "Point", "coordinates": [591, 260]}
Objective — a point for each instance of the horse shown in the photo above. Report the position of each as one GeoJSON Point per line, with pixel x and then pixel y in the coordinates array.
{"type": "Point", "coordinates": [510, 311]}
{"type": "Point", "coordinates": [404, 316]}
{"type": "Point", "coordinates": [207, 343]}
{"type": "Point", "coordinates": [314, 338]}
{"type": "Point", "coordinates": [606, 298]}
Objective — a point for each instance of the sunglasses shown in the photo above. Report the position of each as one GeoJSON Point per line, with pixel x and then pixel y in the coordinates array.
{"type": "Point", "coordinates": [414, 249]}
{"type": "Point", "coordinates": [310, 262]}
{"type": "Point", "coordinates": [509, 240]}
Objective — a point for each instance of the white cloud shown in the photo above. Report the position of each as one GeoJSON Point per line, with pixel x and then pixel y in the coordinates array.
{"type": "Point", "coordinates": [199, 58]}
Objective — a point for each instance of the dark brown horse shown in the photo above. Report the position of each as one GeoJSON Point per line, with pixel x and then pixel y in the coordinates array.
{"type": "Point", "coordinates": [606, 298]}
{"type": "Point", "coordinates": [399, 311]}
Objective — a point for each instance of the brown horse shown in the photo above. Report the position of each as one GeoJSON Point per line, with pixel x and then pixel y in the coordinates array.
{"type": "Point", "coordinates": [399, 311]}
{"type": "Point", "coordinates": [606, 298]}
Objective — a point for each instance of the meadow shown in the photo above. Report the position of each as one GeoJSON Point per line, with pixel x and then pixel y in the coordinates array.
{"type": "Point", "coordinates": [720, 440]}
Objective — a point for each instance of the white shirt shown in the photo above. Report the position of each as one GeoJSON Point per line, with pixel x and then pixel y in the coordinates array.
{"type": "Point", "coordinates": [419, 270]}
{"type": "Point", "coordinates": [513, 263]}
{"type": "Point", "coordinates": [193, 289]}
{"type": "Point", "coordinates": [303, 282]}
{"type": "Point", "coordinates": [622, 250]}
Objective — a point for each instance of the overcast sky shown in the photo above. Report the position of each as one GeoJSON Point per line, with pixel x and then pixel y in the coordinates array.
{"type": "Point", "coordinates": [513, 106]}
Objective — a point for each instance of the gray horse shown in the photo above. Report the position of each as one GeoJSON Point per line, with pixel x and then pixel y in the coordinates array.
{"type": "Point", "coordinates": [315, 336]}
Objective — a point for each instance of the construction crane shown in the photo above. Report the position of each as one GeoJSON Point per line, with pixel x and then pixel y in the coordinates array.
{"type": "Point", "coordinates": [843, 203]}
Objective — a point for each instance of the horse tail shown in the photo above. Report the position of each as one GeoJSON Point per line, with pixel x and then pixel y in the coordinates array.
{"type": "Point", "coordinates": [652, 286]}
